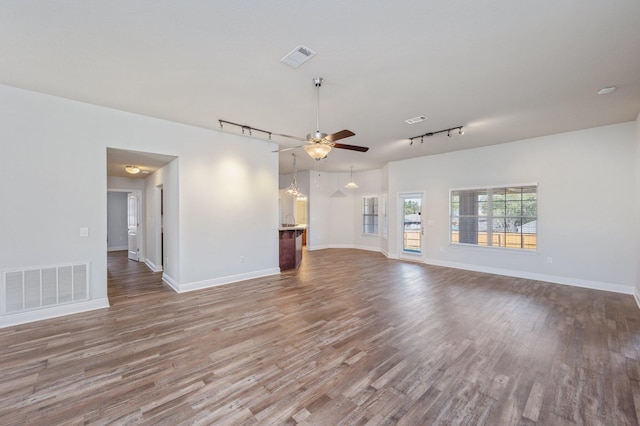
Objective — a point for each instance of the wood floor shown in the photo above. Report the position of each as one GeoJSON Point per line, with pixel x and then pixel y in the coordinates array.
{"type": "Point", "coordinates": [351, 338]}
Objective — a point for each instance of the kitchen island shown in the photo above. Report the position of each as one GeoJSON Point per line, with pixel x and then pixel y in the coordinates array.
{"type": "Point", "coordinates": [290, 246]}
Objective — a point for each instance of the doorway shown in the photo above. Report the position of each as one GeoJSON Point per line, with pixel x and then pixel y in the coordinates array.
{"type": "Point", "coordinates": [412, 226]}
{"type": "Point", "coordinates": [124, 230]}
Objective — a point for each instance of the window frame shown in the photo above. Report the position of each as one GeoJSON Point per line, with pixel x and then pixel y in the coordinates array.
{"type": "Point", "coordinates": [527, 245]}
{"type": "Point", "coordinates": [373, 215]}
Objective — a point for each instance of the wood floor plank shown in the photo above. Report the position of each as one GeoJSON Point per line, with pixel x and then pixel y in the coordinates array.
{"type": "Point", "coordinates": [350, 338]}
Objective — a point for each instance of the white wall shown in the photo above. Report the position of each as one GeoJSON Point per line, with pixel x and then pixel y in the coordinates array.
{"type": "Point", "coordinates": [586, 193]}
{"type": "Point", "coordinates": [117, 231]}
{"type": "Point", "coordinates": [167, 179]}
{"type": "Point", "coordinates": [227, 207]}
{"type": "Point", "coordinates": [369, 185]}
{"type": "Point", "coordinates": [121, 183]}
{"type": "Point", "coordinates": [337, 222]}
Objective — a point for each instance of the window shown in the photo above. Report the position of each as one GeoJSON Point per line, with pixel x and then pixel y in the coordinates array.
{"type": "Point", "coordinates": [495, 217]}
{"type": "Point", "coordinates": [370, 215]}
{"type": "Point", "coordinates": [384, 216]}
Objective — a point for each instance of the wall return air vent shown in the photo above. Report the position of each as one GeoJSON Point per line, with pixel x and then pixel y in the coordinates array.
{"type": "Point", "coordinates": [298, 56]}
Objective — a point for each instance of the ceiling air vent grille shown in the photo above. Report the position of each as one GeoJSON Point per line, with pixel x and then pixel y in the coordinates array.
{"type": "Point", "coordinates": [415, 120]}
{"type": "Point", "coordinates": [298, 56]}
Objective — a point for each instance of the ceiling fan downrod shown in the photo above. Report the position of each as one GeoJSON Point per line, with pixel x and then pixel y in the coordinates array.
{"type": "Point", "coordinates": [317, 136]}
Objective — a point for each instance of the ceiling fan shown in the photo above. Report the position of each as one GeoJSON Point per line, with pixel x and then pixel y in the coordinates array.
{"type": "Point", "coordinates": [319, 144]}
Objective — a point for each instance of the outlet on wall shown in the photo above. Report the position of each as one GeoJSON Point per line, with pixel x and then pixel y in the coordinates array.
{"type": "Point", "coordinates": [549, 259]}
{"type": "Point", "coordinates": [241, 259]}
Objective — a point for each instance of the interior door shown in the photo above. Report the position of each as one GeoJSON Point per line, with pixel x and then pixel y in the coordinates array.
{"type": "Point", "coordinates": [412, 227]}
{"type": "Point", "coordinates": [132, 225]}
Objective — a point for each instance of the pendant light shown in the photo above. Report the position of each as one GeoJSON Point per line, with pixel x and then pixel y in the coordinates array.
{"type": "Point", "coordinates": [351, 184]}
{"type": "Point", "coordinates": [293, 189]}
{"type": "Point", "coordinates": [338, 193]}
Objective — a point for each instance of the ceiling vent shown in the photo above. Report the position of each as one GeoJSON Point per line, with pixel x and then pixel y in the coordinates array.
{"type": "Point", "coordinates": [298, 56]}
{"type": "Point", "coordinates": [415, 120]}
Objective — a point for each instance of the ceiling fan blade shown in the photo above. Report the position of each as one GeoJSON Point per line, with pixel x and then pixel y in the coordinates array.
{"type": "Point", "coordinates": [351, 147]}
{"type": "Point", "coordinates": [339, 135]}
{"type": "Point", "coordinates": [290, 137]}
{"type": "Point", "coordinates": [288, 149]}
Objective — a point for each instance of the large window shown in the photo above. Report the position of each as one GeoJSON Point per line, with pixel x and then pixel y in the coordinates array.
{"type": "Point", "coordinates": [497, 217]}
{"type": "Point", "coordinates": [370, 215]}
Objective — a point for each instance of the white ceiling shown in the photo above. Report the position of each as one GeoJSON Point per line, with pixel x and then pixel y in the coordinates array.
{"type": "Point", "coordinates": [506, 70]}
{"type": "Point", "coordinates": [119, 159]}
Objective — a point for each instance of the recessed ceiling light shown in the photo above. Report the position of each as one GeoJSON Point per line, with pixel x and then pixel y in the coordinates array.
{"type": "Point", "coordinates": [415, 120]}
{"type": "Point", "coordinates": [298, 56]}
{"type": "Point", "coordinates": [606, 90]}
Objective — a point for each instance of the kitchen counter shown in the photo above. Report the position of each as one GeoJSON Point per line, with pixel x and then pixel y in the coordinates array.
{"type": "Point", "coordinates": [286, 227]}
{"type": "Point", "coordinates": [290, 242]}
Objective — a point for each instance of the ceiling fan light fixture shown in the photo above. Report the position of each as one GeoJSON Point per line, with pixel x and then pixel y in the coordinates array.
{"type": "Point", "coordinates": [317, 151]}
{"type": "Point", "coordinates": [132, 170]}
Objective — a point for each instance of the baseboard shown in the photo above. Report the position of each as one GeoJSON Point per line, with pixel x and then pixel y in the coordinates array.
{"type": "Point", "coordinates": [198, 285]}
{"type": "Point", "coordinates": [152, 266]}
{"type": "Point", "coordinates": [575, 282]}
{"type": "Point", "coordinates": [171, 282]}
{"type": "Point", "coordinates": [367, 248]}
{"type": "Point", "coordinates": [119, 248]}
{"type": "Point", "coordinates": [53, 312]}
{"type": "Point", "coordinates": [319, 247]}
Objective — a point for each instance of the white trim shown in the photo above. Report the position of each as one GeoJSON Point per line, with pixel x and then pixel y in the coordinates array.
{"type": "Point", "coordinates": [391, 255]}
{"type": "Point", "coordinates": [400, 223]}
{"type": "Point", "coordinates": [318, 247]}
{"type": "Point", "coordinates": [368, 248]}
{"type": "Point", "coordinates": [152, 266]}
{"type": "Point", "coordinates": [171, 282]}
{"type": "Point", "coordinates": [198, 285]}
{"type": "Point", "coordinates": [53, 312]}
{"type": "Point", "coordinates": [575, 282]}
{"type": "Point", "coordinates": [118, 248]}
{"type": "Point", "coordinates": [139, 192]}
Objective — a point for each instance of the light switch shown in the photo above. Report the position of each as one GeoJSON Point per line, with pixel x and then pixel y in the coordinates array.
{"type": "Point", "coordinates": [84, 231]}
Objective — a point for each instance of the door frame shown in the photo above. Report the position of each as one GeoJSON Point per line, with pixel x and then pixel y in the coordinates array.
{"type": "Point", "coordinates": [402, 254]}
{"type": "Point", "coordinates": [141, 217]}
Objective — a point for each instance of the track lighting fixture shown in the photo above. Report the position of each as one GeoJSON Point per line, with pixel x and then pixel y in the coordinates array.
{"type": "Point", "coordinates": [447, 131]}
{"type": "Point", "coordinates": [244, 128]}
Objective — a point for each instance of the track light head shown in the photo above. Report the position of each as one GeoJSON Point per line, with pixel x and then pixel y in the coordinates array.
{"type": "Point", "coordinates": [447, 131]}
